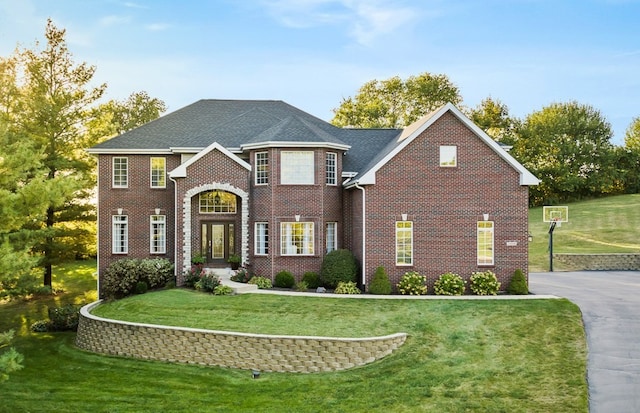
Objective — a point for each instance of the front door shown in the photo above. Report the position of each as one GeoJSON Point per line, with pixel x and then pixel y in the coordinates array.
{"type": "Point", "coordinates": [218, 241]}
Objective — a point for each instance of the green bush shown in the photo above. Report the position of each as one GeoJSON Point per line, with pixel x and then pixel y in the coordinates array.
{"type": "Point", "coordinates": [338, 265]}
{"type": "Point", "coordinates": [198, 259]}
{"type": "Point", "coordinates": [484, 283]}
{"type": "Point", "coordinates": [312, 279]}
{"type": "Point", "coordinates": [64, 318]}
{"type": "Point", "coordinates": [301, 286]}
{"type": "Point", "coordinates": [518, 284]}
{"type": "Point", "coordinates": [412, 283]}
{"type": "Point", "coordinates": [192, 276]}
{"type": "Point", "coordinates": [40, 326]}
{"type": "Point", "coordinates": [284, 279]}
{"type": "Point", "coordinates": [241, 276]}
{"type": "Point", "coordinates": [380, 283]}
{"type": "Point", "coordinates": [156, 272]}
{"type": "Point", "coordinates": [141, 287]}
{"type": "Point", "coordinates": [121, 277]}
{"type": "Point", "coordinates": [207, 283]}
{"type": "Point", "coordinates": [449, 284]}
{"type": "Point", "coordinates": [263, 283]}
{"type": "Point", "coordinates": [222, 290]}
{"type": "Point", "coordinates": [347, 287]}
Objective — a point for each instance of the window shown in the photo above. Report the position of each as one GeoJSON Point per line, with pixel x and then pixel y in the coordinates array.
{"type": "Point", "coordinates": [158, 173]}
{"type": "Point", "coordinates": [120, 172]}
{"type": "Point", "coordinates": [261, 238]}
{"type": "Point", "coordinates": [332, 236]}
{"type": "Point", "coordinates": [404, 243]}
{"type": "Point", "coordinates": [485, 242]}
{"type": "Point", "coordinates": [216, 202]}
{"type": "Point", "coordinates": [331, 177]}
{"type": "Point", "coordinates": [296, 238]}
{"type": "Point", "coordinates": [296, 168]}
{"type": "Point", "coordinates": [120, 234]}
{"type": "Point", "coordinates": [448, 156]}
{"type": "Point", "coordinates": [262, 168]}
{"type": "Point", "coordinates": [158, 232]}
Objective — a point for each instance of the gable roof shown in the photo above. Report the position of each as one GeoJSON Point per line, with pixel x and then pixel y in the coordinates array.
{"type": "Point", "coordinates": [368, 175]}
{"type": "Point", "coordinates": [181, 171]}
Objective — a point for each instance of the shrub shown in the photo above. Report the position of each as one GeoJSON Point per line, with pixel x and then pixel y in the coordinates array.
{"type": "Point", "coordinates": [301, 286]}
{"type": "Point", "coordinates": [141, 287]}
{"type": "Point", "coordinates": [312, 279]}
{"type": "Point", "coordinates": [222, 290]}
{"type": "Point", "coordinates": [484, 283]}
{"type": "Point", "coordinates": [120, 278]}
{"type": "Point", "coordinates": [198, 259]}
{"type": "Point", "coordinates": [156, 272]}
{"type": "Point", "coordinates": [192, 276]}
{"type": "Point", "coordinates": [449, 284]}
{"type": "Point", "coordinates": [284, 279]}
{"type": "Point", "coordinates": [263, 283]}
{"type": "Point", "coordinates": [40, 326]}
{"type": "Point", "coordinates": [380, 283]}
{"type": "Point", "coordinates": [64, 318]}
{"type": "Point", "coordinates": [338, 265]}
{"type": "Point", "coordinates": [518, 284]}
{"type": "Point", "coordinates": [412, 283]}
{"type": "Point", "coordinates": [241, 276]}
{"type": "Point", "coordinates": [347, 287]}
{"type": "Point", "coordinates": [207, 283]}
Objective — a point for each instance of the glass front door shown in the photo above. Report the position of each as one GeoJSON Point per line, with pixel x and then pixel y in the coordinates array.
{"type": "Point", "coordinates": [218, 241]}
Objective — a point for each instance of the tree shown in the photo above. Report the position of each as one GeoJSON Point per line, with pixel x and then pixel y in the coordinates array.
{"type": "Point", "coordinates": [567, 146]}
{"type": "Point", "coordinates": [492, 116]}
{"type": "Point", "coordinates": [632, 135]}
{"type": "Point", "coordinates": [10, 360]}
{"type": "Point", "coordinates": [394, 103]}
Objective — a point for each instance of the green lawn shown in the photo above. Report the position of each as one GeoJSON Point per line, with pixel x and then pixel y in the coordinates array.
{"type": "Point", "coordinates": [605, 225]}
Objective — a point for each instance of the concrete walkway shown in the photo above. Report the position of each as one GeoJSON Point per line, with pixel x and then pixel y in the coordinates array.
{"type": "Point", "coordinates": [610, 305]}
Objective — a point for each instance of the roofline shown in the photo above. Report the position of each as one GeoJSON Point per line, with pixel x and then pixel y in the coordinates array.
{"type": "Point", "coordinates": [181, 171]}
{"type": "Point", "coordinates": [115, 151]}
{"type": "Point", "coordinates": [288, 144]}
{"type": "Point", "coordinates": [413, 131]}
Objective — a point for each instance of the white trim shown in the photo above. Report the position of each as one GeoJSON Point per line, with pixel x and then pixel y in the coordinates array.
{"type": "Point", "coordinates": [181, 171]}
{"type": "Point", "coordinates": [151, 240]}
{"type": "Point", "coordinates": [164, 171]}
{"type": "Point", "coordinates": [410, 229]}
{"type": "Point", "coordinates": [415, 129]}
{"type": "Point", "coordinates": [288, 144]}
{"type": "Point", "coordinates": [113, 172]}
{"type": "Point", "coordinates": [128, 151]}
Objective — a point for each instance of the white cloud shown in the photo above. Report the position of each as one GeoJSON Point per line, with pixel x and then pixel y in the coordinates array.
{"type": "Point", "coordinates": [114, 20]}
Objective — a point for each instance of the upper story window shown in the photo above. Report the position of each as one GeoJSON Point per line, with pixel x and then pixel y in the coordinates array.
{"type": "Point", "coordinates": [404, 243]}
{"type": "Point", "coordinates": [216, 202]}
{"type": "Point", "coordinates": [262, 168]}
{"type": "Point", "coordinates": [120, 234]}
{"type": "Point", "coordinates": [448, 155]}
{"type": "Point", "coordinates": [296, 238]}
{"type": "Point", "coordinates": [331, 169]}
{"type": "Point", "coordinates": [485, 243]}
{"type": "Point", "coordinates": [120, 172]}
{"type": "Point", "coordinates": [297, 168]}
{"type": "Point", "coordinates": [158, 172]}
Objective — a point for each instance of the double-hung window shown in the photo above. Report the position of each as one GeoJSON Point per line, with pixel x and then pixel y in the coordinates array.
{"type": "Point", "coordinates": [331, 168]}
{"type": "Point", "coordinates": [120, 172]}
{"type": "Point", "coordinates": [296, 238]}
{"type": "Point", "coordinates": [262, 168]}
{"type": "Point", "coordinates": [332, 236]}
{"type": "Point", "coordinates": [297, 168]}
{"type": "Point", "coordinates": [158, 173]}
{"type": "Point", "coordinates": [261, 238]}
{"type": "Point", "coordinates": [485, 243]}
{"type": "Point", "coordinates": [404, 243]}
{"type": "Point", "coordinates": [448, 156]}
{"type": "Point", "coordinates": [158, 231]}
{"type": "Point", "coordinates": [120, 234]}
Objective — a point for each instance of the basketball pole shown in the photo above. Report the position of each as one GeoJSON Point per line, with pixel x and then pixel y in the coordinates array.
{"type": "Point", "coordinates": [552, 227]}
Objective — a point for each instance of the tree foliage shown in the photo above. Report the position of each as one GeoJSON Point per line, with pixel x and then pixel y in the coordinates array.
{"type": "Point", "coordinates": [492, 116]}
{"type": "Point", "coordinates": [10, 360]}
{"type": "Point", "coordinates": [394, 103]}
{"type": "Point", "coordinates": [567, 146]}
{"type": "Point", "coordinates": [632, 135]}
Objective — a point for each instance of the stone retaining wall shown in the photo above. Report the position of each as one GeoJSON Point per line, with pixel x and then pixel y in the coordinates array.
{"type": "Point", "coordinates": [228, 349]}
{"type": "Point", "coordinates": [602, 262]}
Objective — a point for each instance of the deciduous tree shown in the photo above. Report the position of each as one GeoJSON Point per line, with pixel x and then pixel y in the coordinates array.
{"type": "Point", "coordinates": [492, 116]}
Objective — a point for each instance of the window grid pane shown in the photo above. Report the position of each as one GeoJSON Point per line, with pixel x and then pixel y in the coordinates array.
{"type": "Point", "coordinates": [485, 243]}
{"type": "Point", "coordinates": [262, 168]}
{"type": "Point", "coordinates": [296, 238]}
{"type": "Point", "coordinates": [158, 234]}
{"type": "Point", "coordinates": [297, 168]}
{"type": "Point", "coordinates": [215, 202]}
{"type": "Point", "coordinates": [331, 169]}
{"type": "Point", "coordinates": [404, 243]}
{"type": "Point", "coordinates": [120, 172]}
{"type": "Point", "coordinates": [120, 234]}
{"type": "Point", "coordinates": [158, 173]}
{"type": "Point", "coordinates": [331, 236]}
{"type": "Point", "coordinates": [262, 238]}
{"type": "Point", "coordinates": [448, 156]}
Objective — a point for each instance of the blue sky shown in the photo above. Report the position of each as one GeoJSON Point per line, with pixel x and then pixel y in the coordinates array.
{"type": "Point", "coordinates": [314, 53]}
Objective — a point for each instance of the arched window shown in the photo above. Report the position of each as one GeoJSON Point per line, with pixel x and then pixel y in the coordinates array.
{"type": "Point", "coordinates": [217, 202]}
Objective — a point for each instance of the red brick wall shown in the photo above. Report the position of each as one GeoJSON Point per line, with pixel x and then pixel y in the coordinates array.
{"type": "Point", "coordinates": [445, 205]}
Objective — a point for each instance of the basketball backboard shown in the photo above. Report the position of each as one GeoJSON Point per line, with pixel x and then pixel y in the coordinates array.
{"type": "Point", "coordinates": [557, 214]}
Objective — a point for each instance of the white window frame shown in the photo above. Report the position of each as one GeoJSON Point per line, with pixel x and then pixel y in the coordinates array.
{"type": "Point", "coordinates": [297, 168]}
{"type": "Point", "coordinates": [448, 156]}
{"type": "Point", "coordinates": [120, 234]}
{"type": "Point", "coordinates": [261, 176]}
{"type": "Point", "coordinates": [331, 169]}
{"type": "Point", "coordinates": [158, 234]}
{"type": "Point", "coordinates": [291, 244]}
{"type": "Point", "coordinates": [227, 203]}
{"type": "Point", "coordinates": [331, 236]}
{"type": "Point", "coordinates": [119, 171]}
{"type": "Point", "coordinates": [158, 173]}
{"type": "Point", "coordinates": [261, 238]}
{"type": "Point", "coordinates": [485, 243]}
{"type": "Point", "coordinates": [404, 233]}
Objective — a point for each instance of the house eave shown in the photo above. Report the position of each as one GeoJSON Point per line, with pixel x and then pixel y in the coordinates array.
{"type": "Point", "coordinates": [181, 171]}
{"type": "Point", "coordinates": [290, 144]}
{"type": "Point", "coordinates": [122, 151]}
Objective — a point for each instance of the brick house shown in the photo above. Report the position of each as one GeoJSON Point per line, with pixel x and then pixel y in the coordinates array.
{"type": "Point", "coordinates": [281, 188]}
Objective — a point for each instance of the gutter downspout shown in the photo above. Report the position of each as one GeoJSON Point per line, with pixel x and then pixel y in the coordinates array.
{"type": "Point", "coordinates": [364, 235]}
{"type": "Point", "coordinates": [176, 202]}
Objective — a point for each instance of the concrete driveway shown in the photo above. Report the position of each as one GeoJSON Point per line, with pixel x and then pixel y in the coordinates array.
{"type": "Point", "coordinates": [610, 305]}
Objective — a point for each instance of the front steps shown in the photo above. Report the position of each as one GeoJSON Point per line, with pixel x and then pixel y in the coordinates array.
{"type": "Point", "coordinates": [225, 279]}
